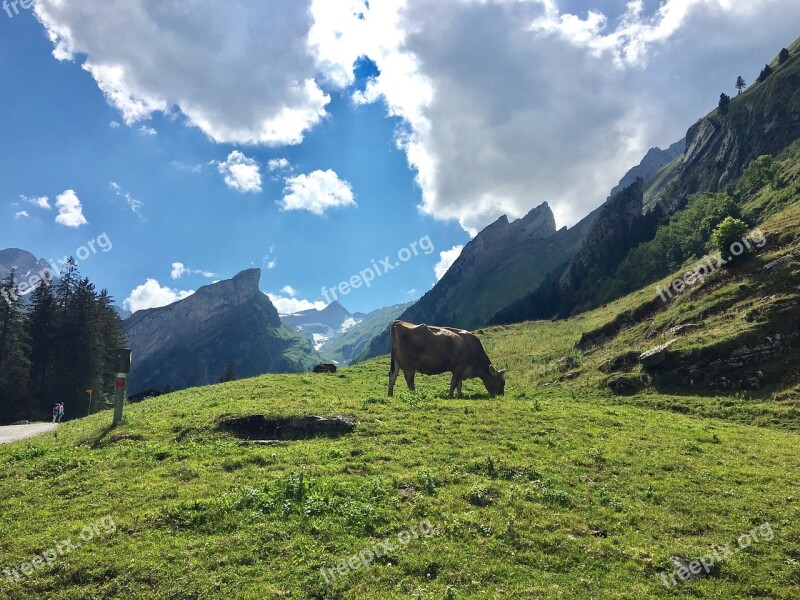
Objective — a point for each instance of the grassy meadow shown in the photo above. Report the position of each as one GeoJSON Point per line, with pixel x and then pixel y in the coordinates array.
{"type": "Point", "coordinates": [553, 491]}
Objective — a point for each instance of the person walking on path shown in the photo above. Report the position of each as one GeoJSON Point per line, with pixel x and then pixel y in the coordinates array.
{"type": "Point", "coordinates": [60, 412]}
{"type": "Point", "coordinates": [56, 410]}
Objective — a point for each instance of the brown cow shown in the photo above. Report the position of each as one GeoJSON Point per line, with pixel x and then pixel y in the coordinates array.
{"type": "Point", "coordinates": [434, 350]}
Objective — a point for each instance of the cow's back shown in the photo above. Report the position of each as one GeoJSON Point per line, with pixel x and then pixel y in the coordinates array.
{"type": "Point", "coordinates": [427, 350]}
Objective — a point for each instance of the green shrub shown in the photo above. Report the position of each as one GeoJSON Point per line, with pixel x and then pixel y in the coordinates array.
{"type": "Point", "coordinates": [726, 234]}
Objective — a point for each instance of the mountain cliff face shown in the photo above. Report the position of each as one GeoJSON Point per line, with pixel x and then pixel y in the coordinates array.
{"type": "Point", "coordinates": [25, 263]}
{"type": "Point", "coordinates": [502, 262]}
{"type": "Point", "coordinates": [190, 342]}
{"type": "Point", "coordinates": [764, 119]}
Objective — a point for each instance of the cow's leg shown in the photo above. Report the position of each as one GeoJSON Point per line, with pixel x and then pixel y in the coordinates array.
{"type": "Point", "coordinates": [409, 375]}
{"type": "Point", "coordinates": [455, 382]}
{"type": "Point", "coordinates": [392, 378]}
{"type": "Point", "coordinates": [460, 395]}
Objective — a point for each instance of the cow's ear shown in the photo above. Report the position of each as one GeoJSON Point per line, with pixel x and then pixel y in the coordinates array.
{"type": "Point", "coordinates": [502, 373]}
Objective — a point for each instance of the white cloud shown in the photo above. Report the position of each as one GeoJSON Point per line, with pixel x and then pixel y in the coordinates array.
{"type": "Point", "coordinates": [241, 173]}
{"type": "Point", "coordinates": [22, 214]}
{"type": "Point", "coordinates": [290, 306]}
{"type": "Point", "coordinates": [181, 166]}
{"type": "Point", "coordinates": [113, 125]}
{"type": "Point", "coordinates": [316, 192]}
{"type": "Point", "coordinates": [446, 260]}
{"type": "Point", "coordinates": [506, 104]}
{"type": "Point", "coordinates": [133, 204]}
{"type": "Point", "coordinates": [270, 262]}
{"type": "Point", "coordinates": [502, 104]}
{"type": "Point", "coordinates": [152, 295]}
{"type": "Point", "coordinates": [148, 131]}
{"type": "Point", "coordinates": [179, 270]}
{"type": "Point", "coordinates": [279, 164]}
{"type": "Point", "coordinates": [41, 201]}
{"type": "Point", "coordinates": [70, 210]}
{"type": "Point", "coordinates": [241, 72]}
{"type": "Point", "coordinates": [289, 290]}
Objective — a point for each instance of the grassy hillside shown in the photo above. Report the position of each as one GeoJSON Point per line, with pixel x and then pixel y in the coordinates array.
{"type": "Point", "coordinates": [560, 489]}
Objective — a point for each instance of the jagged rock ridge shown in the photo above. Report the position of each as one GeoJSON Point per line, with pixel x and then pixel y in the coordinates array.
{"type": "Point", "coordinates": [190, 342]}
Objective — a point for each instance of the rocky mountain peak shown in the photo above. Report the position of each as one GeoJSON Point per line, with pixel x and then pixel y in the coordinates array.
{"type": "Point", "coordinates": [190, 341]}
{"type": "Point", "coordinates": [539, 222]}
{"type": "Point", "coordinates": [23, 261]}
{"type": "Point", "coordinates": [237, 290]}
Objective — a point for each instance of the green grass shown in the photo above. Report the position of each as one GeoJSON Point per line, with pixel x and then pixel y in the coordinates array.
{"type": "Point", "coordinates": [552, 492]}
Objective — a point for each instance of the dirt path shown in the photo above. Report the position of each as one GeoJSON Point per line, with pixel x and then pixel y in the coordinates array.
{"type": "Point", "coordinates": [15, 433]}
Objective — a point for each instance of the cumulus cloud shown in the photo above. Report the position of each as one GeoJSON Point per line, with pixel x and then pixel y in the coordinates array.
{"type": "Point", "coordinates": [70, 210]}
{"type": "Point", "coordinates": [152, 294]}
{"type": "Point", "coordinates": [508, 104]}
{"type": "Point", "coordinates": [317, 192]}
{"type": "Point", "coordinates": [241, 173]}
{"type": "Point", "coordinates": [40, 202]}
{"type": "Point", "coordinates": [446, 260]}
{"type": "Point", "coordinates": [148, 131]}
{"type": "Point", "coordinates": [278, 164]}
{"type": "Point", "coordinates": [179, 270]}
{"type": "Point", "coordinates": [242, 73]}
{"type": "Point", "coordinates": [501, 104]}
{"type": "Point", "coordinates": [289, 306]}
{"type": "Point", "coordinates": [22, 214]}
{"type": "Point", "coordinates": [289, 290]}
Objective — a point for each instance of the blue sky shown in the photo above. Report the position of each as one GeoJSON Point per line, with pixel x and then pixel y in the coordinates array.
{"type": "Point", "coordinates": [463, 112]}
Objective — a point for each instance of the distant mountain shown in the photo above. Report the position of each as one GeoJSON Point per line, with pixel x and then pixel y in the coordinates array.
{"type": "Point", "coordinates": [344, 347]}
{"type": "Point", "coordinates": [509, 261]}
{"type": "Point", "coordinates": [123, 314]}
{"type": "Point", "coordinates": [502, 263]}
{"type": "Point", "coordinates": [30, 269]}
{"type": "Point", "coordinates": [320, 326]}
{"type": "Point", "coordinates": [25, 264]}
{"type": "Point", "coordinates": [190, 342]}
{"type": "Point", "coordinates": [650, 165]}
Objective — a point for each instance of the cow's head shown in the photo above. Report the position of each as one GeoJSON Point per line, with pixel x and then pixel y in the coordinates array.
{"type": "Point", "coordinates": [496, 381]}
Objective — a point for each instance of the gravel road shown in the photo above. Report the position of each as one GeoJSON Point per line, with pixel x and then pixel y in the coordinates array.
{"type": "Point", "coordinates": [15, 433]}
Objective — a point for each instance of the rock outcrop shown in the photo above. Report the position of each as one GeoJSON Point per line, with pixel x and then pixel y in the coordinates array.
{"type": "Point", "coordinates": [190, 342]}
